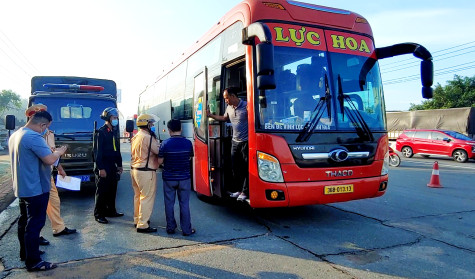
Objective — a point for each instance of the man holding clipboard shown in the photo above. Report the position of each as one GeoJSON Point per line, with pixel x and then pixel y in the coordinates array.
{"type": "Point", "coordinates": [54, 203]}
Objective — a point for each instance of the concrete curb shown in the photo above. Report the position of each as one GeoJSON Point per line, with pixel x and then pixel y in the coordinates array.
{"type": "Point", "coordinates": [8, 218]}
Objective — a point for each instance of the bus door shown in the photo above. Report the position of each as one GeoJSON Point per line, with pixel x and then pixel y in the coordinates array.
{"type": "Point", "coordinates": [220, 133]}
{"type": "Point", "coordinates": [200, 127]}
{"type": "Point", "coordinates": [217, 155]}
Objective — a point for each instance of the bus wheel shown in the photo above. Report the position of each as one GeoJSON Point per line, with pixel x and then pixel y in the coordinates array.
{"type": "Point", "coordinates": [207, 199]}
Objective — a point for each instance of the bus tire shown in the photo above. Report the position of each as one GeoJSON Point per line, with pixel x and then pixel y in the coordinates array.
{"type": "Point", "coordinates": [207, 199]}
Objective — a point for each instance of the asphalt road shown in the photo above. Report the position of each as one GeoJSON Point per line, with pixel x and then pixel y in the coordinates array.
{"type": "Point", "coordinates": [412, 231]}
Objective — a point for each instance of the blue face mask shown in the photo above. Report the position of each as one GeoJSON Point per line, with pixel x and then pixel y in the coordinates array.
{"type": "Point", "coordinates": [115, 122]}
{"type": "Point", "coordinates": [152, 129]}
{"type": "Point", "coordinates": [44, 132]}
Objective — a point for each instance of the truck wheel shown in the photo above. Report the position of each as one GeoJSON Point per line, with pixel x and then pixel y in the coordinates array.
{"type": "Point", "coordinates": [460, 156]}
{"type": "Point", "coordinates": [407, 152]}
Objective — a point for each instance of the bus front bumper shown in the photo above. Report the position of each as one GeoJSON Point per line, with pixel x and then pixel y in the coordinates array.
{"type": "Point", "coordinates": [317, 192]}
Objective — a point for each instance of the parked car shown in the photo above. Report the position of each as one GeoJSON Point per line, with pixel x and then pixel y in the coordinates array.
{"type": "Point", "coordinates": [436, 142]}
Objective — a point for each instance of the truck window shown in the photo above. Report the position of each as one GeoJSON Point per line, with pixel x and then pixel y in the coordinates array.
{"type": "Point", "coordinates": [75, 111]}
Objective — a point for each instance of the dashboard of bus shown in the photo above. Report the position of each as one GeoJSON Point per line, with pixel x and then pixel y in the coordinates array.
{"type": "Point", "coordinates": [324, 89]}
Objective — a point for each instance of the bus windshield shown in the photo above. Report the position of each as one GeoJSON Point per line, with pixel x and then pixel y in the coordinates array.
{"type": "Point", "coordinates": [314, 85]}
{"type": "Point", "coordinates": [73, 116]}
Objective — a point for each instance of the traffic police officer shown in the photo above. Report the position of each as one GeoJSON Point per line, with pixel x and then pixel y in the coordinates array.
{"type": "Point", "coordinates": [108, 166]}
{"type": "Point", "coordinates": [144, 164]}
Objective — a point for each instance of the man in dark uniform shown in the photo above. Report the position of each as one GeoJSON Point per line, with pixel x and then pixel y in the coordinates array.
{"type": "Point", "coordinates": [108, 166]}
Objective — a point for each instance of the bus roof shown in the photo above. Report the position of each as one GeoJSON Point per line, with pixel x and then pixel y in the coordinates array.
{"type": "Point", "coordinates": [250, 11]}
{"type": "Point", "coordinates": [38, 82]}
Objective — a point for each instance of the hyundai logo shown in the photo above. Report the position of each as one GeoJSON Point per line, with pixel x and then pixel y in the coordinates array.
{"type": "Point", "coordinates": [338, 155]}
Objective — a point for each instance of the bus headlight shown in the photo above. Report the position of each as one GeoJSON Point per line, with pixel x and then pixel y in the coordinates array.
{"type": "Point", "coordinates": [385, 168]}
{"type": "Point", "coordinates": [269, 168]}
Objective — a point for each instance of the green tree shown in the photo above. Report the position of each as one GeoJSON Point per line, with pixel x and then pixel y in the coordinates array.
{"type": "Point", "coordinates": [9, 100]}
{"type": "Point", "coordinates": [459, 92]}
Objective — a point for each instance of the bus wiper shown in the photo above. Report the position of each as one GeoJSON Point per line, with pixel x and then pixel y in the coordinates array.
{"type": "Point", "coordinates": [354, 115]}
{"type": "Point", "coordinates": [356, 118]}
{"type": "Point", "coordinates": [341, 98]}
{"type": "Point", "coordinates": [64, 136]}
{"type": "Point", "coordinates": [317, 114]}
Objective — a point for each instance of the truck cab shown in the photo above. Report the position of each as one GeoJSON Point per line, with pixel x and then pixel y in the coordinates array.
{"type": "Point", "coordinates": [75, 103]}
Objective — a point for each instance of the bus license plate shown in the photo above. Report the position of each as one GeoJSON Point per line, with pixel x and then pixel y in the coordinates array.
{"type": "Point", "coordinates": [338, 189]}
{"type": "Point", "coordinates": [84, 178]}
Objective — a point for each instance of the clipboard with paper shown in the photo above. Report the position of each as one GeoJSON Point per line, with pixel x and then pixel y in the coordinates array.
{"type": "Point", "coordinates": [68, 182]}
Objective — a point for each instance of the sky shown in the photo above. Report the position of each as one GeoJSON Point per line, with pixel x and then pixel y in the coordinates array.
{"type": "Point", "coordinates": [132, 41]}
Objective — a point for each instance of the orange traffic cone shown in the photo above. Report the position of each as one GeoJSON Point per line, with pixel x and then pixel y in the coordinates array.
{"type": "Point", "coordinates": [434, 179]}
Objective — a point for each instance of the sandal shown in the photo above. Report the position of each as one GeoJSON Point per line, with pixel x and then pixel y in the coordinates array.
{"type": "Point", "coordinates": [42, 266]}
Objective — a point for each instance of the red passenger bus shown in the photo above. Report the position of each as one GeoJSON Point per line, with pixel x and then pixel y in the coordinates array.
{"type": "Point", "coordinates": [316, 113]}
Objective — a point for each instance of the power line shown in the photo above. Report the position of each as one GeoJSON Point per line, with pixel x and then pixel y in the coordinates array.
{"type": "Point", "coordinates": [436, 59]}
{"type": "Point", "coordinates": [21, 68]}
{"type": "Point", "coordinates": [11, 45]}
{"type": "Point", "coordinates": [437, 72]}
{"type": "Point", "coordinates": [416, 77]}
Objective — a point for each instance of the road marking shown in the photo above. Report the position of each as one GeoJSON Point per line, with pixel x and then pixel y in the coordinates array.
{"type": "Point", "coordinates": [440, 164]}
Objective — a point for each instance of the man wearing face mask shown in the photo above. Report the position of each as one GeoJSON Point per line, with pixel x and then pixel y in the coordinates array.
{"type": "Point", "coordinates": [144, 164]}
{"type": "Point", "coordinates": [108, 166]}
{"type": "Point", "coordinates": [54, 203]}
{"type": "Point", "coordinates": [31, 159]}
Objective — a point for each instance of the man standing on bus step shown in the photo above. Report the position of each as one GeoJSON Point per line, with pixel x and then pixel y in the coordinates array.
{"type": "Point", "coordinates": [176, 153]}
{"type": "Point", "coordinates": [54, 203]}
{"type": "Point", "coordinates": [236, 112]}
{"type": "Point", "coordinates": [108, 166]}
{"type": "Point", "coordinates": [31, 160]}
{"type": "Point", "coordinates": [144, 164]}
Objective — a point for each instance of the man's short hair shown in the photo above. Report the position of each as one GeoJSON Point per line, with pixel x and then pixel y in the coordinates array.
{"type": "Point", "coordinates": [232, 91]}
{"type": "Point", "coordinates": [174, 125]}
{"type": "Point", "coordinates": [41, 117]}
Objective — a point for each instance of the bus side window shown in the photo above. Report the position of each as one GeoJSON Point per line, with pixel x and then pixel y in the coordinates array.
{"type": "Point", "coordinates": [214, 97]}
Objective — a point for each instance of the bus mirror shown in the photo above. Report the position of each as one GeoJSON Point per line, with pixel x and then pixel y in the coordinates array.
{"type": "Point", "coordinates": [427, 73]}
{"type": "Point", "coordinates": [129, 126]}
{"type": "Point", "coordinates": [266, 82]}
{"type": "Point", "coordinates": [10, 122]}
{"type": "Point", "coordinates": [427, 78]}
{"type": "Point", "coordinates": [427, 92]}
{"type": "Point", "coordinates": [265, 66]}
{"type": "Point", "coordinates": [265, 59]}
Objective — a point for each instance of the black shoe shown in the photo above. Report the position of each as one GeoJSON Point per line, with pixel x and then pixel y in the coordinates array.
{"type": "Point", "coordinates": [188, 234]}
{"type": "Point", "coordinates": [102, 220]}
{"type": "Point", "coordinates": [148, 222]}
{"type": "Point", "coordinates": [170, 231]}
{"type": "Point", "coordinates": [66, 231]}
{"type": "Point", "coordinates": [43, 241]}
{"type": "Point", "coordinates": [147, 230]}
{"type": "Point", "coordinates": [115, 214]}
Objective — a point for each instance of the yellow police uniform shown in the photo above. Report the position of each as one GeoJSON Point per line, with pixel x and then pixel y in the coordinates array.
{"type": "Point", "coordinates": [54, 204]}
{"type": "Point", "coordinates": [144, 177]}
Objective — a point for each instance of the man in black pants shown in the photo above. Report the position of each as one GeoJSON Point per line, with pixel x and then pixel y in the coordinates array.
{"type": "Point", "coordinates": [108, 166]}
{"type": "Point", "coordinates": [236, 113]}
{"type": "Point", "coordinates": [31, 159]}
